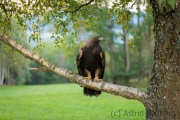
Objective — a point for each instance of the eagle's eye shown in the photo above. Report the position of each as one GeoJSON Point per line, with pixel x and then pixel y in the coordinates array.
{"type": "Point", "coordinates": [101, 38]}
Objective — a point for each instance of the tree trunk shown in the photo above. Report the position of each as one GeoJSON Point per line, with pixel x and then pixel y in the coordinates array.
{"type": "Point", "coordinates": [149, 41]}
{"type": "Point", "coordinates": [164, 90]}
{"type": "Point", "coordinates": [1, 79]}
{"type": "Point", "coordinates": [139, 43]}
{"type": "Point", "coordinates": [126, 49]}
{"type": "Point", "coordinates": [2, 73]}
{"type": "Point", "coordinates": [149, 45]}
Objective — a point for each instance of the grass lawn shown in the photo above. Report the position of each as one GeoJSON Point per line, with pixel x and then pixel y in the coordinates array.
{"type": "Point", "coordinates": [64, 102]}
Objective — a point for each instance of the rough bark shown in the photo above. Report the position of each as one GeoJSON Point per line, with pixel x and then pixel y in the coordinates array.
{"type": "Point", "coordinates": [127, 92]}
{"type": "Point", "coordinates": [164, 89]}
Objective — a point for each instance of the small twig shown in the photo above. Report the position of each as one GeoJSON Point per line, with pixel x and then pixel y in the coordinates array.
{"type": "Point", "coordinates": [42, 69]}
{"type": "Point", "coordinates": [82, 5]}
{"type": "Point", "coordinates": [133, 3]}
{"type": "Point", "coordinates": [4, 8]}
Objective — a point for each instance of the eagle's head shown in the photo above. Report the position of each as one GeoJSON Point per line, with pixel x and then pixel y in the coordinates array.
{"type": "Point", "coordinates": [95, 40]}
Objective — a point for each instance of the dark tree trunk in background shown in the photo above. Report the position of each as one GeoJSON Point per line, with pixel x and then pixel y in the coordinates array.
{"type": "Point", "coordinates": [139, 42]}
{"type": "Point", "coordinates": [2, 73]}
{"type": "Point", "coordinates": [149, 41]}
{"type": "Point", "coordinates": [111, 44]}
{"type": "Point", "coordinates": [149, 46]}
{"type": "Point", "coordinates": [164, 90]}
{"type": "Point", "coordinates": [126, 49]}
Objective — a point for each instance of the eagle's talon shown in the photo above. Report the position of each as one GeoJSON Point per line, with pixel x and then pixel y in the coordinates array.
{"type": "Point", "coordinates": [97, 79]}
{"type": "Point", "coordinates": [88, 78]}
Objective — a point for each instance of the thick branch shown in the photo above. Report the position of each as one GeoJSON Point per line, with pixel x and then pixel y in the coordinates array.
{"type": "Point", "coordinates": [127, 92]}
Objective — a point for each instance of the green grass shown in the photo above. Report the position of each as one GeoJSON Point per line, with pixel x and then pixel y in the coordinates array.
{"type": "Point", "coordinates": [64, 102]}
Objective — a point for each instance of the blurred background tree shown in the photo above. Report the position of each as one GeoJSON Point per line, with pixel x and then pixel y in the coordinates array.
{"type": "Point", "coordinates": [58, 56]}
{"type": "Point", "coordinates": [13, 66]}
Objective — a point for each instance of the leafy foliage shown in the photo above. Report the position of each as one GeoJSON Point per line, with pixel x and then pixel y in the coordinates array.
{"type": "Point", "coordinates": [171, 3]}
{"type": "Point", "coordinates": [64, 16]}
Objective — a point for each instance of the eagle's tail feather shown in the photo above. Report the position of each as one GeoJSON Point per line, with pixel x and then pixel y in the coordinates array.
{"type": "Point", "coordinates": [91, 92]}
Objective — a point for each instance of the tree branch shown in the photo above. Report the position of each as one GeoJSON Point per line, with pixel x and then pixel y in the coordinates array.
{"type": "Point", "coordinates": [133, 4]}
{"type": "Point", "coordinates": [82, 5]}
{"type": "Point", "coordinates": [85, 4]}
{"type": "Point", "coordinates": [42, 69]}
{"type": "Point", "coordinates": [127, 92]}
{"type": "Point", "coordinates": [4, 8]}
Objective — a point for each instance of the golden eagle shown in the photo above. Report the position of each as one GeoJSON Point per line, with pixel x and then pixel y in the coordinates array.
{"type": "Point", "coordinates": [90, 62]}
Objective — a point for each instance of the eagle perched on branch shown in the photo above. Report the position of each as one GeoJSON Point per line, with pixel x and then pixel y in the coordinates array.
{"type": "Point", "coordinates": [90, 62]}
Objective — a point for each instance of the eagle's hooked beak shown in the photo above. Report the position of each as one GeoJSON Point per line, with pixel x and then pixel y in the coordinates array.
{"type": "Point", "coordinates": [101, 38]}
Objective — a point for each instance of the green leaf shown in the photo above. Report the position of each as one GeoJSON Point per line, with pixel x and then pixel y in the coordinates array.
{"type": "Point", "coordinates": [171, 3]}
